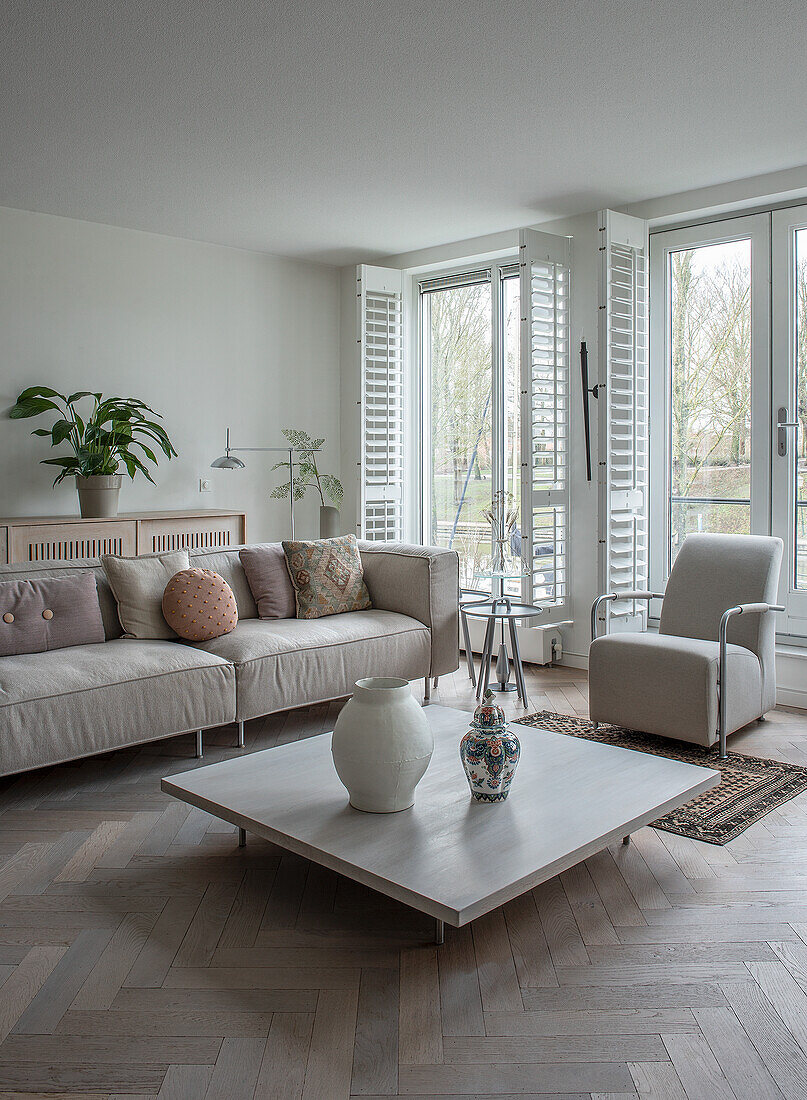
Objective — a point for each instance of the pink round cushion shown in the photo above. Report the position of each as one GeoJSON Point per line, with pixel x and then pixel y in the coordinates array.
{"type": "Point", "coordinates": [199, 605]}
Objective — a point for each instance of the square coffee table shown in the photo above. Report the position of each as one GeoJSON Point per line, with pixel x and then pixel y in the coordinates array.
{"type": "Point", "coordinates": [448, 856]}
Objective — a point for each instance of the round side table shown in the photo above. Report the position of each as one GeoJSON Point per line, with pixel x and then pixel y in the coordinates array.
{"type": "Point", "coordinates": [504, 610]}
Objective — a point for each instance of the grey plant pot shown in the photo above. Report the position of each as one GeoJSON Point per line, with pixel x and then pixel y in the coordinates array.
{"type": "Point", "coordinates": [98, 495]}
{"type": "Point", "coordinates": [329, 522]}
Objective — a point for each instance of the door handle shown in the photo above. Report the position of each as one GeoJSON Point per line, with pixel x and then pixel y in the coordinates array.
{"type": "Point", "coordinates": [782, 425]}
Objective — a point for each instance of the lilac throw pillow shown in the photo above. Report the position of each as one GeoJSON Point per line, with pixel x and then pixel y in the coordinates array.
{"type": "Point", "coordinates": [269, 580]}
{"type": "Point", "coordinates": [49, 613]}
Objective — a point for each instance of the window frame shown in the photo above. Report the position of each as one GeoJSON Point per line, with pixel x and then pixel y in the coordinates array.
{"type": "Point", "coordinates": [663, 241]}
{"type": "Point", "coordinates": [499, 268]}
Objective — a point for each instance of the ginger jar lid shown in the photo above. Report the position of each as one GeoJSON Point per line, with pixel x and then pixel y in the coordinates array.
{"type": "Point", "coordinates": [489, 715]}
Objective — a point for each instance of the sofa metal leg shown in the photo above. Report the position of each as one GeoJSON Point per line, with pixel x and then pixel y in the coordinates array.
{"type": "Point", "coordinates": [626, 840]}
{"type": "Point", "coordinates": [596, 725]}
{"type": "Point", "coordinates": [436, 682]}
{"type": "Point", "coordinates": [427, 690]}
{"type": "Point", "coordinates": [199, 752]}
{"type": "Point", "coordinates": [439, 931]}
{"type": "Point", "coordinates": [241, 734]}
{"type": "Point", "coordinates": [242, 838]}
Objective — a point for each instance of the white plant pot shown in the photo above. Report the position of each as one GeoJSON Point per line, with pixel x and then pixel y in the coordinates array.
{"type": "Point", "coordinates": [382, 745]}
{"type": "Point", "coordinates": [330, 522]}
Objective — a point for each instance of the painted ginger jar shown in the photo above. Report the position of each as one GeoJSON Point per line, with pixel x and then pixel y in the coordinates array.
{"type": "Point", "coordinates": [489, 752]}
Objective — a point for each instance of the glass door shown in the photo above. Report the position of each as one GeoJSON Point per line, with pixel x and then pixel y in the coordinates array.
{"type": "Point", "coordinates": [789, 420]}
{"type": "Point", "coordinates": [470, 368]}
{"type": "Point", "coordinates": [710, 384]}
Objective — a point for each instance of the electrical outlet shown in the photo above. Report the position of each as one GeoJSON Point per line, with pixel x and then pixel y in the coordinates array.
{"type": "Point", "coordinates": [205, 485]}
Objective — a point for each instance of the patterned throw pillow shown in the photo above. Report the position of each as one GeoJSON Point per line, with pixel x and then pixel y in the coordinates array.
{"type": "Point", "coordinates": [327, 576]}
{"type": "Point", "coordinates": [199, 605]}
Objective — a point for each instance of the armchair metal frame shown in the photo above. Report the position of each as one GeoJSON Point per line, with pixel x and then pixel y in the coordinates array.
{"type": "Point", "coordinates": [722, 680]}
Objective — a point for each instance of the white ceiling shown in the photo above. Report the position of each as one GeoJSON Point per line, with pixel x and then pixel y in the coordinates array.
{"type": "Point", "coordinates": [359, 128]}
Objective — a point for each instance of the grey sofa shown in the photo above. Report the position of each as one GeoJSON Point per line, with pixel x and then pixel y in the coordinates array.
{"type": "Point", "coordinates": [69, 703]}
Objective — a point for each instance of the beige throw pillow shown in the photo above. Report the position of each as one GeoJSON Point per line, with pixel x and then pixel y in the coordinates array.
{"type": "Point", "coordinates": [138, 585]}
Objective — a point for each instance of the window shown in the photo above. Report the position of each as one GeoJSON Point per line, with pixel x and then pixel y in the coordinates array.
{"type": "Point", "coordinates": [494, 373]}
{"type": "Point", "coordinates": [470, 357]}
{"type": "Point", "coordinates": [711, 377]}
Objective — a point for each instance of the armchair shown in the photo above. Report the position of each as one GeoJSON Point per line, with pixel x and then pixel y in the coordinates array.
{"type": "Point", "coordinates": [711, 668]}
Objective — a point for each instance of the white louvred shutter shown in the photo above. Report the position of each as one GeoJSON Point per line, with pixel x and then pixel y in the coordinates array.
{"type": "Point", "coordinates": [381, 403]}
{"type": "Point", "coordinates": [545, 268]}
{"type": "Point", "coordinates": [623, 414]}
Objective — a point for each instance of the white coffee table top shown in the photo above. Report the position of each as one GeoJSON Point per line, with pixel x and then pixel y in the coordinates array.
{"type": "Point", "coordinates": [448, 856]}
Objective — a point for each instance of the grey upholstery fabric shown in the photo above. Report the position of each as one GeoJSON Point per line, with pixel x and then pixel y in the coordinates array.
{"type": "Point", "coordinates": [715, 572]}
{"type": "Point", "coordinates": [269, 580]}
{"type": "Point", "coordinates": [139, 584]}
{"type": "Point", "coordinates": [73, 702]}
{"type": "Point", "coordinates": [283, 663]}
{"type": "Point", "coordinates": [421, 581]}
{"type": "Point", "coordinates": [106, 599]}
{"type": "Point", "coordinates": [227, 564]}
{"type": "Point", "coordinates": [42, 613]}
{"type": "Point", "coordinates": [668, 685]}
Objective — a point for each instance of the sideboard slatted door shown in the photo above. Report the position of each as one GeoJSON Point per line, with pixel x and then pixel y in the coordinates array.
{"type": "Point", "coordinates": [157, 536]}
{"type": "Point", "coordinates": [55, 542]}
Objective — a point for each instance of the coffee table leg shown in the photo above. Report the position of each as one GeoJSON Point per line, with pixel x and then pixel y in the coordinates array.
{"type": "Point", "coordinates": [242, 838]}
{"type": "Point", "coordinates": [439, 931]}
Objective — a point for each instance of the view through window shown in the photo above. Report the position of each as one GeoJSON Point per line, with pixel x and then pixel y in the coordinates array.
{"type": "Point", "coordinates": [471, 350]}
{"type": "Point", "coordinates": [709, 316]}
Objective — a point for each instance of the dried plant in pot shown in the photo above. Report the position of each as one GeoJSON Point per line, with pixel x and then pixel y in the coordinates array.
{"type": "Point", "coordinates": [309, 476]}
{"type": "Point", "coordinates": [102, 434]}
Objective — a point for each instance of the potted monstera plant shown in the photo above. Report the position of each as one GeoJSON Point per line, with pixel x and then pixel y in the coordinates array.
{"type": "Point", "coordinates": [101, 434]}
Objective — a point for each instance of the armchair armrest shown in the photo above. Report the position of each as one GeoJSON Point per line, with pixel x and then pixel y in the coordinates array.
{"type": "Point", "coordinates": [607, 596]}
{"type": "Point", "coordinates": [422, 582]}
{"type": "Point", "coordinates": [722, 696]}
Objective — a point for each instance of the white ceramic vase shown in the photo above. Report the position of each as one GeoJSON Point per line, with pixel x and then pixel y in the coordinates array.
{"type": "Point", "coordinates": [382, 745]}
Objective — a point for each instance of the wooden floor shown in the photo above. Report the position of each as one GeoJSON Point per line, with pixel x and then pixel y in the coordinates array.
{"type": "Point", "coordinates": [143, 954]}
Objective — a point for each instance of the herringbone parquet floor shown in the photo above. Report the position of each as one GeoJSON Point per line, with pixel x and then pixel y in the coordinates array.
{"type": "Point", "coordinates": [142, 954]}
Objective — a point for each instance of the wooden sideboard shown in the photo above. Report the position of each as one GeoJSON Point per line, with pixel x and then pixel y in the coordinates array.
{"type": "Point", "coordinates": [69, 538]}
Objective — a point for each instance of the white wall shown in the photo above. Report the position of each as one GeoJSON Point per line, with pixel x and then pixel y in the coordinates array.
{"type": "Point", "coordinates": [208, 336]}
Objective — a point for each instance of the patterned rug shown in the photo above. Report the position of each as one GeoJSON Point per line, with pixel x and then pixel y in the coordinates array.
{"type": "Point", "coordinates": [750, 787]}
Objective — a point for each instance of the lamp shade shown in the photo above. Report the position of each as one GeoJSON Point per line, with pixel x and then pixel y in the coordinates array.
{"type": "Point", "coordinates": [227, 462]}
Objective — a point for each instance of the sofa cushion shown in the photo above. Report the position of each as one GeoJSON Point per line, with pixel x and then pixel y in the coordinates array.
{"type": "Point", "coordinates": [49, 613]}
{"type": "Point", "coordinates": [269, 581]}
{"type": "Point", "coordinates": [138, 584]}
{"type": "Point", "coordinates": [227, 564]}
{"type": "Point", "coordinates": [666, 685]}
{"type": "Point", "coordinates": [74, 702]}
{"type": "Point", "coordinates": [327, 576]}
{"type": "Point", "coordinates": [106, 599]}
{"type": "Point", "coordinates": [283, 663]}
{"type": "Point", "coordinates": [199, 604]}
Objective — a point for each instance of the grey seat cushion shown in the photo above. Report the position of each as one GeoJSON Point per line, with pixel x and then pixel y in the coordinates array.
{"type": "Point", "coordinates": [667, 685]}
{"type": "Point", "coordinates": [74, 702]}
{"type": "Point", "coordinates": [283, 663]}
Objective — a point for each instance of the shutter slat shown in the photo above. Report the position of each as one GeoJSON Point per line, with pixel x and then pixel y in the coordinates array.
{"type": "Point", "coordinates": [545, 284]}
{"type": "Point", "coordinates": [382, 405]}
{"type": "Point", "coordinates": [623, 413]}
